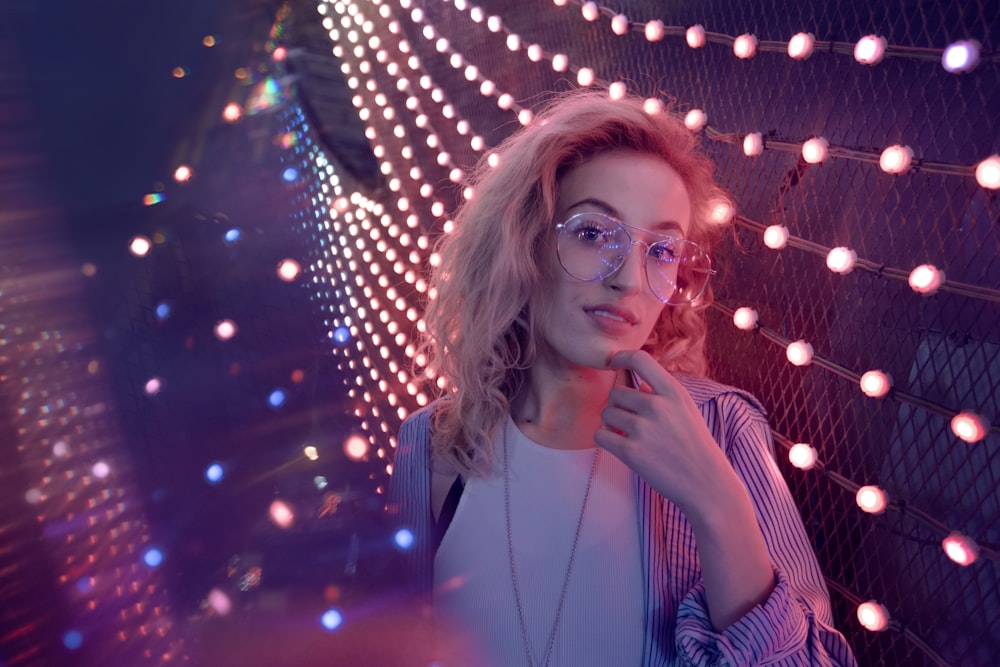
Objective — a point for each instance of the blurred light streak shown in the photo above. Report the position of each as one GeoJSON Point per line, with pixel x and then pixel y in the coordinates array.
{"type": "Point", "coordinates": [71, 542]}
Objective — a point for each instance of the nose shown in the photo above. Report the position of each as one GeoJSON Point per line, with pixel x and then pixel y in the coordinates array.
{"type": "Point", "coordinates": [630, 275]}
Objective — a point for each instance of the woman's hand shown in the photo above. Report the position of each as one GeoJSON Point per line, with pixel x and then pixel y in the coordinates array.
{"type": "Point", "coordinates": [658, 432]}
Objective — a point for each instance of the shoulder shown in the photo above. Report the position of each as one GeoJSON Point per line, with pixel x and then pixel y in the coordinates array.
{"type": "Point", "coordinates": [710, 395]}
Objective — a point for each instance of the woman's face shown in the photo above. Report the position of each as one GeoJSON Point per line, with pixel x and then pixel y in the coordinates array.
{"type": "Point", "coordinates": [584, 323]}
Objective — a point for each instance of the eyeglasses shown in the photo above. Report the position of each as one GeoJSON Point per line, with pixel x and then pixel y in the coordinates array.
{"type": "Point", "coordinates": [592, 246]}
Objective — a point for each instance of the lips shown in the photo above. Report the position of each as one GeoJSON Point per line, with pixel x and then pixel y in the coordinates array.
{"type": "Point", "coordinates": [613, 313]}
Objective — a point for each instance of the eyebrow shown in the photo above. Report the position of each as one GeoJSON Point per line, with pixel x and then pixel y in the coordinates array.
{"type": "Point", "coordinates": [663, 226]}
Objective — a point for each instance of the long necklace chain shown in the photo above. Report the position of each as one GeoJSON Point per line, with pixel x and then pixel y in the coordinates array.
{"type": "Point", "coordinates": [513, 569]}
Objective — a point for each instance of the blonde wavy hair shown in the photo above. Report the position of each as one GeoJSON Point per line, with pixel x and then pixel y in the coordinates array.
{"type": "Point", "coordinates": [482, 328]}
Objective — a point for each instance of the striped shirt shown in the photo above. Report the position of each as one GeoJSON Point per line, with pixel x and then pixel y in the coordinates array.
{"type": "Point", "coordinates": [792, 627]}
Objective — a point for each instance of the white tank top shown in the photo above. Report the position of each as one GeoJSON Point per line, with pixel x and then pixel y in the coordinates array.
{"type": "Point", "coordinates": [602, 618]}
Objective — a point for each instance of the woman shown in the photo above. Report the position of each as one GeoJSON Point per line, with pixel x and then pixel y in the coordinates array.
{"type": "Point", "coordinates": [583, 496]}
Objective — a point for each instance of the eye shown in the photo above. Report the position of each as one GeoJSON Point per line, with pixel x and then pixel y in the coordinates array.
{"type": "Point", "coordinates": [664, 251]}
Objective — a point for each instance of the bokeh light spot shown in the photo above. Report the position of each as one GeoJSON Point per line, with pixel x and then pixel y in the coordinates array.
{"type": "Point", "coordinates": [140, 246]}
{"type": "Point", "coordinates": [153, 386]}
{"type": "Point", "coordinates": [288, 270]}
{"type": "Point", "coordinates": [183, 174]}
{"type": "Point", "coordinates": [290, 175]}
{"type": "Point", "coordinates": [72, 640]}
{"type": "Point", "coordinates": [101, 470]}
{"type": "Point", "coordinates": [162, 310]}
{"type": "Point", "coordinates": [33, 496]}
{"type": "Point", "coordinates": [342, 335]}
{"type": "Point", "coordinates": [232, 235]}
{"type": "Point", "coordinates": [281, 514]}
{"type": "Point", "coordinates": [219, 601]}
{"type": "Point", "coordinates": [276, 398]}
{"type": "Point", "coordinates": [214, 473]}
{"type": "Point", "coordinates": [153, 557]}
{"type": "Point", "coordinates": [232, 112]}
{"type": "Point", "coordinates": [331, 619]}
{"type": "Point", "coordinates": [355, 447]}
{"type": "Point", "coordinates": [225, 329]}
{"type": "Point", "coordinates": [403, 538]}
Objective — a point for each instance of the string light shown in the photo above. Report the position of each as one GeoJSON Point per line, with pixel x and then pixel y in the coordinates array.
{"type": "Point", "coordinates": [753, 144]}
{"type": "Point", "coordinates": [970, 426]}
{"type": "Point", "coordinates": [695, 120]}
{"type": "Point", "coordinates": [801, 45]}
{"type": "Point", "coordinates": [620, 24]}
{"type": "Point", "coordinates": [872, 499]}
{"type": "Point", "coordinates": [961, 548]}
{"type": "Point", "coordinates": [962, 56]}
{"type": "Point", "coordinates": [776, 237]}
{"type": "Point", "coordinates": [695, 36]}
{"type": "Point", "coordinates": [799, 353]}
{"type": "Point", "coordinates": [870, 50]}
{"type": "Point", "coordinates": [873, 616]}
{"type": "Point", "coordinates": [654, 30]}
{"type": "Point", "coordinates": [926, 279]}
{"type": "Point", "coordinates": [803, 456]}
{"type": "Point", "coordinates": [988, 173]}
{"type": "Point", "coordinates": [875, 384]}
{"type": "Point", "coordinates": [841, 260]}
{"type": "Point", "coordinates": [815, 150]}
{"type": "Point", "coordinates": [745, 318]}
{"type": "Point", "coordinates": [896, 159]}
{"type": "Point", "coordinates": [745, 46]}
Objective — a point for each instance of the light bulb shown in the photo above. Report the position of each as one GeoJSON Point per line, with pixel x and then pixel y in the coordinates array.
{"type": "Point", "coordinates": [487, 88]}
{"type": "Point", "coordinates": [695, 36]}
{"type": "Point", "coordinates": [585, 77]}
{"type": "Point", "coordinates": [695, 120]}
{"type": "Point", "coordinates": [776, 237]}
{"type": "Point", "coordinates": [962, 56]}
{"type": "Point", "coordinates": [896, 159]}
{"type": "Point", "coordinates": [617, 90]}
{"type": "Point", "coordinates": [988, 173]}
{"type": "Point", "coordinates": [560, 62]}
{"type": "Point", "coordinates": [513, 42]}
{"type": "Point", "coordinates": [589, 11]}
{"type": "Point", "coordinates": [652, 106]}
{"type": "Point", "coordinates": [524, 116]}
{"type": "Point", "coordinates": [535, 53]}
{"type": "Point", "coordinates": [873, 616]}
{"type": "Point", "coordinates": [875, 384]}
{"type": "Point", "coordinates": [799, 353]}
{"type": "Point", "coordinates": [869, 50]}
{"type": "Point", "coordinates": [841, 260]}
{"type": "Point", "coordinates": [721, 212]}
{"type": "Point", "coordinates": [753, 144]}
{"type": "Point", "coordinates": [871, 499]}
{"type": "Point", "coordinates": [961, 548]}
{"type": "Point", "coordinates": [654, 31]}
{"type": "Point", "coordinates": [926, 279]}
{"type": "Point", "coordinates": [745, 318]}
{"type": "Point", "coordinates": [815, 150]}
{"type": "Point", "coordinates": [745, 46]}
{"type": "Point", "coordinates": [802, 456]}
{"type": "Point", "coordinates": [619, 24]}
{"type": "Point", "coordinates": [494, 24]}
{"type": "Point", "coordinates": [801, 45]}
{"type": "Point", "coordinates": [970, 426]}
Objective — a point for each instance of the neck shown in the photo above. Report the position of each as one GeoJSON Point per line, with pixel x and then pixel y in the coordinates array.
{"type": "Point", "coordinates": [561, 407]}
